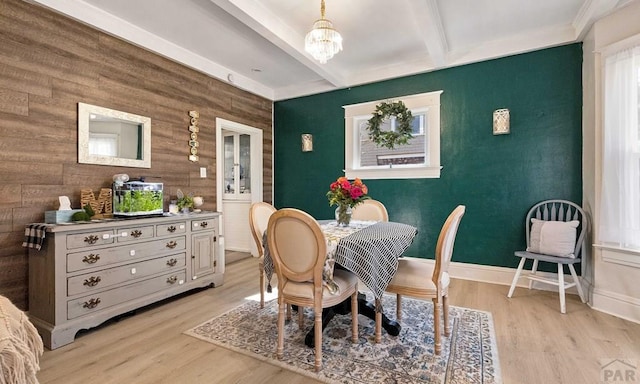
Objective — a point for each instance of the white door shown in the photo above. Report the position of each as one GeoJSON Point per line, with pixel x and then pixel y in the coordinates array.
{"type": "Point", "coordinates": [239, 180]}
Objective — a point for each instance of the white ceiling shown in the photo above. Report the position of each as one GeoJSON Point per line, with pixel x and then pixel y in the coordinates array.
{"type": "Point", "coordinates": [258, 45]}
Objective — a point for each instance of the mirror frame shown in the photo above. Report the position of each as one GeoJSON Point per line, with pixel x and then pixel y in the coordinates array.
{"type": "Point", "coordinates": [84, 157]}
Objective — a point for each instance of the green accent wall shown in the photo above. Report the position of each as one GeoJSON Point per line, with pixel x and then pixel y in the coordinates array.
{"type": "Point", "coordinates": [498, 178]}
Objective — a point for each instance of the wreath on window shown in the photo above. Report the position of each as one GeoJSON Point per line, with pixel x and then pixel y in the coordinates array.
{"type": "Point", "coordinates": [399, 136]}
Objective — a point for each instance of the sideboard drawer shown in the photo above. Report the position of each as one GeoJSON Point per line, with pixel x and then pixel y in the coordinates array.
{"type": "Point", "coordinates": [105, 278]}
{"type": "Point", "coordinates": [134, 233]}
{"type": "Point", "coordinates": [89, 239]}
{"type": "Point", "coordinates": [171, 229]}
{"type": "Point", "coordinates": [201, 225]}
{"type": "Point", "coordinates": [102, 257]}
{"type": "Point", "coordinates": [99, 301]}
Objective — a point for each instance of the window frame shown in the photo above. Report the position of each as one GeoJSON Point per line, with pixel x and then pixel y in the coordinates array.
{"type": "Point", "coordinates": [424, 102]}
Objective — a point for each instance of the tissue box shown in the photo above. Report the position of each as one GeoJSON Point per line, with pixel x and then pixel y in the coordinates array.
{"type": "Point", "coordinates": [55, 217]}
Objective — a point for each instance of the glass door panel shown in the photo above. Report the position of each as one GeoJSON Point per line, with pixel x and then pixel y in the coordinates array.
{"type": "Point", "coordinates": [245, 163]}
{"type": "Point", "coordinates": [237, 166]}
{"type": "Point", "coordinates": [229, 166]}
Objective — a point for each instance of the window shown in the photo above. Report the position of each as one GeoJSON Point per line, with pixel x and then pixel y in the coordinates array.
{"type": "Point", "coordinates": [620, 199]}
{"type": "Point", "coordinates": [420, 158]}
{"type": "Point", "coordinates": [103, 144]}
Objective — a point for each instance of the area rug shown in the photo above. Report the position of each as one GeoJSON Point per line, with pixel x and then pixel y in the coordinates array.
{"type": "Point", "coordinates": [468, 356]}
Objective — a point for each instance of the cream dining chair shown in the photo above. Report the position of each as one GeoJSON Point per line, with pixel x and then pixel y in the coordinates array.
{"type": "Point", "coordinates": [412, 278]}
{"type": "Point", "coordinates": [259, 214]}
{"type": "Point", "coordinates": [299, 249]}
{"type": "Point", "coordinates": [370, 210]}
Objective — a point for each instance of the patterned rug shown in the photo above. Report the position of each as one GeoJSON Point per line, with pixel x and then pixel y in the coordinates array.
{"type": "Point", "coordinates": [469, 355]}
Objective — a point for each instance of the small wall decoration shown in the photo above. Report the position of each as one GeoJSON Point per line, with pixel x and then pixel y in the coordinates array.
{"type": "Point", "coordinates": [307, 142]}
{"type": "Point", "coordinates": [501, 122]}
{"type": "Point", "coordinates": [390, 138]}
{"type": "Point", "coordinates": [102, 206]}
{"type": "Point", "coordinates": [193, 136]}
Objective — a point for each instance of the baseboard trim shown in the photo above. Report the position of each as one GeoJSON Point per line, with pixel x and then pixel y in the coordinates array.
{"type": "Point", "coordinates": [615, 304]}
{"type": "Point", "coordinates": [499, 275]}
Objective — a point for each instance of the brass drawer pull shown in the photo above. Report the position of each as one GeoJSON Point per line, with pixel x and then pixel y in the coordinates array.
{"type": "Point", "coordinates": [172, 279]}
{"type": "Point", "coordinates": [136, 233]}
{"type": "Point", "coordinates": [172, 228]}
{"type": "Point", "coordinates": [204, 224]}
{"type": "Point", "coordinates": [92, 303]}
{"type": "Point", "coordinates": [92, 281]}
{"type": "Point", "coordinates": [91, 259]}
{"type": "Point", "coordinates": [172, 262]}
{"type": "Point", "coordinates": [91, 239]}
{"type": "Point", "coordinates": [172, 244]}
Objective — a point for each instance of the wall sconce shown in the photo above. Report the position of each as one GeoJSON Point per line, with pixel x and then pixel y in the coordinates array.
{"type": "Point", "coordinates": [193, 136]}
{"type": "Point", "coordinates": [501, 122]}
{"type": "Point", "coordinates": [307, 142]}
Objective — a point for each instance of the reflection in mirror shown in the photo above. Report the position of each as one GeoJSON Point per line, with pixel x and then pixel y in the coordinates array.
{"type": "Point", "coordinates": [110, 137]}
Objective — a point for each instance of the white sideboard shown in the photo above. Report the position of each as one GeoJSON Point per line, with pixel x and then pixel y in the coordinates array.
{"type": "Point", "coordinates": [87, 273]}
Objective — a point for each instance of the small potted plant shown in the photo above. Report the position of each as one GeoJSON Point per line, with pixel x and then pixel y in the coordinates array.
{"type": "Point", "coordinates": [185, 202]}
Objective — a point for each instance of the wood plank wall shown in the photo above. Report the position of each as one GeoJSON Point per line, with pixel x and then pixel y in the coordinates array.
{"type": "Point", "coordinates": [49, 63]}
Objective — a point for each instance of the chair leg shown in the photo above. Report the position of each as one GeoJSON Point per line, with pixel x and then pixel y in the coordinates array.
{"type": "Point", "coordinates": [578, 285]}
{"type": "Point", "coordinates": [300, 317]}
{"type": "Point", "coordinates": [261, 287]}
{"type": "Point", "coordinates": [534, 269]}
{"type": "Point", "coordinates": [398, 308]}
{"type": "Point", "coordinates": [318, 337]}
{"type": "Point", "coordinates": [563, 307]}
{"type": "Point", "coordinates": [445, 315]}
{"type": "Point", "coordinates": [516, 277]}
{"type": "Point", "coordinates": [288, 312]}
{"type": "Point", "coordinates": [281, 310]}
{"type": "Point", "coordinates": [436, 326]}
{"type": "Point", "coordinates": [354, 317]}
{"type": "Point", "coordinates": [378, 331]}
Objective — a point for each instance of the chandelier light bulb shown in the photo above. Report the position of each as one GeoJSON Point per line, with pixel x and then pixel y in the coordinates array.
{"type": "Point", "coordinates": [323, 41]}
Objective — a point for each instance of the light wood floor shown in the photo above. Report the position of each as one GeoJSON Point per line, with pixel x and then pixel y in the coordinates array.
{"type": "Point", "coordinates": [536, 343]}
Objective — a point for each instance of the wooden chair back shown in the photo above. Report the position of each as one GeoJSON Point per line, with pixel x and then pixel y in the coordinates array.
{"type": "Point", "coordinates": [370, 210]}
{"type": "Point", "coordinates": [444, 246]}
{"type": "Point", "coordinates": [259, 214]}
{"type": "Point", "coordinates": [297, 246]}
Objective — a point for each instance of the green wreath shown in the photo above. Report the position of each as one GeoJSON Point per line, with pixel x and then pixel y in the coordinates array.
{"type": "Point", "coordinates": [402, 133]}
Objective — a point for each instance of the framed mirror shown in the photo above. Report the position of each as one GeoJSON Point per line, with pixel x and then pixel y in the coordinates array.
{"type": "Point", "coordinates": [110, 137]}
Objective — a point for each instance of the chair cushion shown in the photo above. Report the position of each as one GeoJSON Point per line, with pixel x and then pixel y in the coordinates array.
{"type": "Point", "coordinates": [345, 280]}
{"type": "Point", "coordinates": [416, 275]}
{"type": "Point", "coordinates": [556, 238]}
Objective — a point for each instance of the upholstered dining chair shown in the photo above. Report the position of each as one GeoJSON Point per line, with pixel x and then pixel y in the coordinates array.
{"type": "Point", "coordinates": [299, 249]}
{"type": "Point", "coordinates": [259, 214]}
{"type": "Point", "coordinates": [555, 231]}
{"type": "Point", "coordinates": [370, 209]}
{"type": "Point", "coordinates": [412, 278]}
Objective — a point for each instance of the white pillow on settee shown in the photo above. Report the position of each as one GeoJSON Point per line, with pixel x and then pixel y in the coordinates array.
{"type": "Point", "coordinates": [556, 238]}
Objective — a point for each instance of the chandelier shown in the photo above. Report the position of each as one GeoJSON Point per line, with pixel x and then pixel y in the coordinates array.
{"type": "Point", "coordinates": [322, 42]}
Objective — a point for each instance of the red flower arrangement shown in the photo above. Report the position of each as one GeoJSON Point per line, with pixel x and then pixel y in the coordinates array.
{"type": "Point", "coordinates": [344, 193]}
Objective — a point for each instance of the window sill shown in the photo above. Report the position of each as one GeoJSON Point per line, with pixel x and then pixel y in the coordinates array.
{"type": "Point", "coordinates": [394, 173]}
{"type": "Point", "coordinates": [619, 255]}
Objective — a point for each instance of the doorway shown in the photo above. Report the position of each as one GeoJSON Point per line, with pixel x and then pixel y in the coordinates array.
{"type": "Point", "coordinates": [238, 181]}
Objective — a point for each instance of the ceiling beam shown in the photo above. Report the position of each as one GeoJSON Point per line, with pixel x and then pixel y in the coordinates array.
{"type": "Point", "coordinates": [429, 23]}
{"type": "Point", "coordinates": [271, 27]}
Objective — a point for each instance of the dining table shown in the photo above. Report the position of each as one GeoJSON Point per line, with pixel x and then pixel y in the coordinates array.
{"type": "Point", "coordinates": [370, 250]}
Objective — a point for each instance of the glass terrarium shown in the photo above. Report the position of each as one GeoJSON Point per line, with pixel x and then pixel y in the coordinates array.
{"type": "Point", "coordinates": [136, 198]}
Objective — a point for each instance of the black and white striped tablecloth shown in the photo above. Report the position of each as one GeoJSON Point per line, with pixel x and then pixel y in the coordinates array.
{"type": "Point", "coordinates": [372, 253]}
{"type": "Point", "coordinates": [369, 250]}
